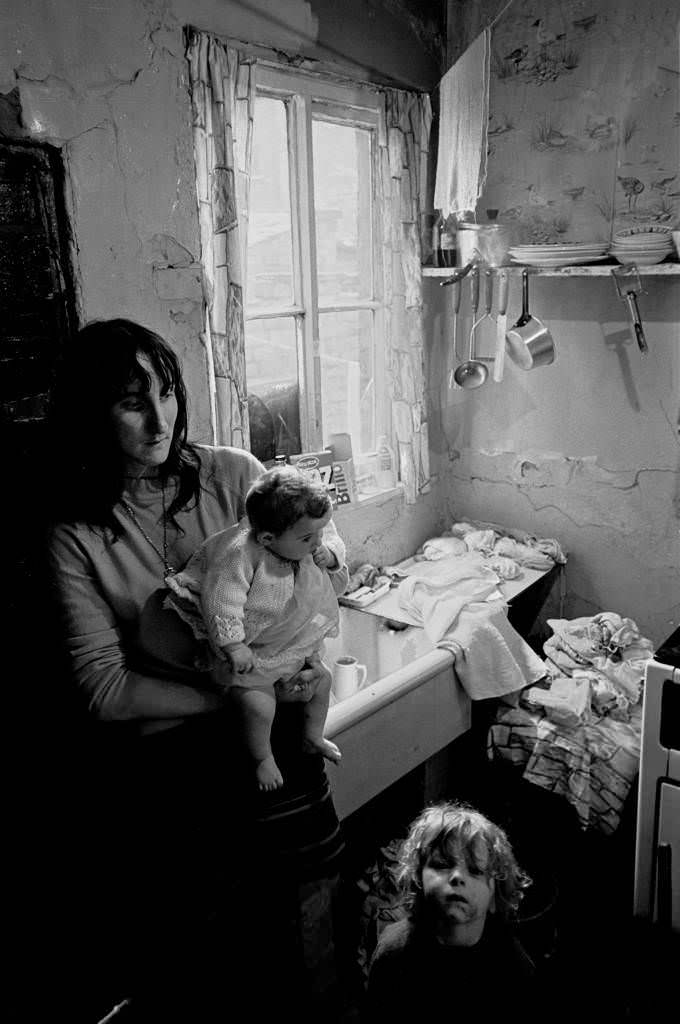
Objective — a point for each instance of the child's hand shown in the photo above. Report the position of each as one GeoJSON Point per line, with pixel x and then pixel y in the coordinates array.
{"type": "Point", "coordinates": [240, 656]}
{"type": "Point", "coordinates": [324, 557]}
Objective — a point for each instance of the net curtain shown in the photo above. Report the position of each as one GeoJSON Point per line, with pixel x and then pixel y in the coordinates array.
{"type": "Point", "coordinates": [402, 182]}
{"type": "Point", "coordinates": [223, 96]}
{"type": "Point", "coordinates": [222, 104]}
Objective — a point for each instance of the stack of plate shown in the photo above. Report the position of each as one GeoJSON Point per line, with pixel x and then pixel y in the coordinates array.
{"type": "Point", "coordinates": [642, 245]}
{"type": "Point", "coordinates": [562, 254]}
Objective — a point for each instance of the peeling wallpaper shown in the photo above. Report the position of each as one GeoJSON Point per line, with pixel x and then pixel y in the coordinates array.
{"type": "Point", "coordinates": [584, 137]}
{"type": "Point", "coordinates": [584, 121]}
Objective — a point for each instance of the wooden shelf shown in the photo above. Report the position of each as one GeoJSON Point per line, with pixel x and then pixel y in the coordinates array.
{"type": "Point", "coordinates": [670, 269]}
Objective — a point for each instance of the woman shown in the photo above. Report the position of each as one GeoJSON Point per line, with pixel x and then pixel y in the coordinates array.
{"type": "Point", "coordinates": [203, 876]}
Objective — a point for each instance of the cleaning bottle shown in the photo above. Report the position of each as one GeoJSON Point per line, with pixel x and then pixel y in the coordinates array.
{"type": "Point", "coordinates": [386, 465]}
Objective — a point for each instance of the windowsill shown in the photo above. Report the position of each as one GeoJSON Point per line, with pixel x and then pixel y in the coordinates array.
{"type": "Point", "coordinates": [374, 498]}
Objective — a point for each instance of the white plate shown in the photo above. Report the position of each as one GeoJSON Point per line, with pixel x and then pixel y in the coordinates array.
{"type": "Point", "coordinates": [554, 249]}
{"type": "Point", "coordinates": [642, 259]}
{"type": "Point", "coordinates": [558, 261]}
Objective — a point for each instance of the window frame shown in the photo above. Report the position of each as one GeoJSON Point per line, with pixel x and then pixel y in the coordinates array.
{"type": "Point", "coordinates": [307, 96]}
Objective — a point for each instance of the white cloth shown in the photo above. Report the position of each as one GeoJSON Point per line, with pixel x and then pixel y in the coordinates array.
{"type": "Point", "coordinates": [492, 659]}
{"type": "Point", "coordinates": [463, 122]}
{"type": "Point", "coordinates": [437, 598]}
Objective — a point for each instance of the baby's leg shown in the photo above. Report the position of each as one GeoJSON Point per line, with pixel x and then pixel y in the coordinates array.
{"type": "Point", "coordinates": [316, 711]}
{"type": "Point", "coordinates": [257, 709]}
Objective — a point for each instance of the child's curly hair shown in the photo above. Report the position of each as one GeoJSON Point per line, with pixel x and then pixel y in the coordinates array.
{"type": "Point", "coordinates": [281, 496]}
{"type": "Point", "coordinates": [443, 829]}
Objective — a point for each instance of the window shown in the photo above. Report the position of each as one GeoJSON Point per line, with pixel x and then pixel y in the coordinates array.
{"type": "Point", "coordinates": [314, 333]}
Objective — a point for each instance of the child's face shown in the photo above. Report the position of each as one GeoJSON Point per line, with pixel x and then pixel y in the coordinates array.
{"type": "Point", "coordinates": [456, 886]}
{"type": "Point", "coordinates": [300, 539]}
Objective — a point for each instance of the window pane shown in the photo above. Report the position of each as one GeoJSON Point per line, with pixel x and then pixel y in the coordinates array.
{"type": "Point", "coordinates": [270, 240]}
{"type": "Point", "coordinates": [348, 377]}
{"type": "Point", "coordinates": [272, 381]}
{"type": "Point", "coordinates": [342, 203]}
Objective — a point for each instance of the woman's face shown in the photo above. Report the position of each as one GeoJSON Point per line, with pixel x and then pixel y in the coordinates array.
{"type": "Point", "coordinates": [144, 422]}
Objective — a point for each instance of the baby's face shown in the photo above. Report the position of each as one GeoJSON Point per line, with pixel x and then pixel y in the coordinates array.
{"type": "Point", "coordinates": [300, 539]}
{"type": "Point", "coordinates": [457, 887]}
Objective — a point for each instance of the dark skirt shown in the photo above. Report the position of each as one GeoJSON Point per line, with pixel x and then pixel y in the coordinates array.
{"type": "Point", "coordinates": [197, 875]}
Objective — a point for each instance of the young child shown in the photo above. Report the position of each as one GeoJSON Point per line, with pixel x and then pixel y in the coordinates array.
{"type": "Point", "coordinates": [453, 950]}
{"type": "Point", "coordinates": [267, 594]}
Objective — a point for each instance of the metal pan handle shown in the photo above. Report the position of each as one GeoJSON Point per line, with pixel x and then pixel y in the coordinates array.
{"type": "Point", "coordinates": [637, 325]}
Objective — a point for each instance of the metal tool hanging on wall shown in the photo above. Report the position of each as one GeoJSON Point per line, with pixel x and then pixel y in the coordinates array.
{"type": "Point", "coordinates": [456, 309]}
{"type": "Point", "coordinates": [628, 287]}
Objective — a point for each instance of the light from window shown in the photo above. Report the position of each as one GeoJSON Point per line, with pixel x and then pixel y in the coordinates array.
{"type": "Point", "coordinates": [313, 315]}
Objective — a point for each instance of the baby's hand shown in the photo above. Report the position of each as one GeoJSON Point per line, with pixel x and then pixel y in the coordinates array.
{"type": "Point", "coordinates": [323, 557]}
{"type": "Point", "coordinates": [240, 656]}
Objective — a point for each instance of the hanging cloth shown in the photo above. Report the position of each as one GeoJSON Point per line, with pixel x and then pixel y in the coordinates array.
{"type": "Point", "coordinates": [463, 123]}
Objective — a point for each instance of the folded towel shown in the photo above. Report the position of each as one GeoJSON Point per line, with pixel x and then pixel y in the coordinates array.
{"type": "Point", "coordinates": [492, 659]}
{"type": "Point", "coordinates": [463, 123]}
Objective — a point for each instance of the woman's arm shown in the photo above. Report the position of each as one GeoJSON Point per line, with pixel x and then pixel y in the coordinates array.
{"type": "Point", "coordinates": [96, 649]}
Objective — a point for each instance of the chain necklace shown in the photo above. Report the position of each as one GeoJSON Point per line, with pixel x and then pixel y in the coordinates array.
{"type": "Point", "coordinates": [163, 555]}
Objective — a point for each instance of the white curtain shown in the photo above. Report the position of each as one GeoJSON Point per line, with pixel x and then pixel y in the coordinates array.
{"type": "Point", "coordinates": [223, 96]}
{"type": "Point", "coordinates": [222, 103]}
{"type": "Point", "coordinates": [402, 182]}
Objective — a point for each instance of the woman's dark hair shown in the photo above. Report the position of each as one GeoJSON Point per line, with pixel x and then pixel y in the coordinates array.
{"type": "Point", "coordinates": [98, 366]}
{"type": "Point", "coordinates": [281, 496]}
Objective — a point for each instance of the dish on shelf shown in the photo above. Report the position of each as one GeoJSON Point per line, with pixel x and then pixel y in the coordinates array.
{"type": "Point", "coordinates": [559, 261]}
{"type": "Point", "coordinates": [642, 257]}
{"type": "Point", "coordinates": [559, 254]}
{"type": "Point", "coordinates": [642, 231]}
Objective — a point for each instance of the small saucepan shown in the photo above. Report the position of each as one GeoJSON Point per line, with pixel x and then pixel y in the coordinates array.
{"type": "Point", "coordinates": [529, 343]}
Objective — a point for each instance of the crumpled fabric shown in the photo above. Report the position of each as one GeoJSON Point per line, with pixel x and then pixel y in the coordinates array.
{"type": "Point", "coordinates": [437, 600]}
{"type": "Point", "coordinates": [443, 547]}
{"type": "Point", "coordinates": [480, 540]}
{"type": "Point", "coordinates": [546, 546]}
{"type": "Point", "coordinates": [526, 555]}
{"type": "Point", "coordinates": [605, 643]}
{"type": "Point", "coordinates": [506, 568]}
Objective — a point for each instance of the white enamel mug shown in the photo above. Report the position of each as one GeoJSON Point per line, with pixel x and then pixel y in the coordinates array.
{"type": "Point", "coordinates": [349, 676]}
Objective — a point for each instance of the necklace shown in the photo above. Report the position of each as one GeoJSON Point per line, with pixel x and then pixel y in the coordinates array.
{"type": "Point", "coordinates": [163, 555]}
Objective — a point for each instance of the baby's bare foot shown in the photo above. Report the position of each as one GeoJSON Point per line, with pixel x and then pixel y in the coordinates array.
{"type": "Point", "coordinates": [268, 774]}
{"type": "Point", "coordinates": [320, 745]}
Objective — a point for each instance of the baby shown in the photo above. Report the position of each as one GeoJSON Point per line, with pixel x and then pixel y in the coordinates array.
{"type": "Point", "coordinates": [267, 594]}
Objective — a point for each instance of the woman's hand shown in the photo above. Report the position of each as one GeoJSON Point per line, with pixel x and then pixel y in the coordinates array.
{"type": "Point", "coordinates": [303, 685]}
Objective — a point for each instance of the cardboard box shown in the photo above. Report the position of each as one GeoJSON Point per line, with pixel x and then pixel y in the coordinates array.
{"type": "Point", "coordinates": [317, 466]}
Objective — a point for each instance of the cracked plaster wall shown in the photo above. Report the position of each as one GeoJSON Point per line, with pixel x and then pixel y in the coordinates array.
{"type": "Point", "coordinates": [586, 450]}
{"type": "Point", "coordinates": [108, 85]}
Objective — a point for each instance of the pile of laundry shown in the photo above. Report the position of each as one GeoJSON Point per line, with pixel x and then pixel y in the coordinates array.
{"type": "Point", "coordinates": [506, 549]}
{"type": "Point", "coordinates": [577, 731]}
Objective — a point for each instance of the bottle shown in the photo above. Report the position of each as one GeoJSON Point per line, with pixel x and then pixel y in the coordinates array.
{"type": "Point", "coordinates": [436, 241]}
{"type": "Point", "coordinates": [447, 243]}
{"type": "Point", "coordinates": [386, 465]}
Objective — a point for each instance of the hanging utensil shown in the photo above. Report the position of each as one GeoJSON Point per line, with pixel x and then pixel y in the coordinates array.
{"type": "Point", "coordinates": [472, 373]}
{"type": "Point", "coordinates": [629, 295]}
{"type": "Point", "coordinates": [529, 342]}
{"type": "Point", "coordinates": [501, 325]}
{"type": "Point", "coordinates": [457, 275]}
{"type": "Point", "coordinates": [456, 308]}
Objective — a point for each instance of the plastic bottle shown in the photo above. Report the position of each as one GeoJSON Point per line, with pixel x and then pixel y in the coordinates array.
{"type": "Point", "coordinates": [386, 465]}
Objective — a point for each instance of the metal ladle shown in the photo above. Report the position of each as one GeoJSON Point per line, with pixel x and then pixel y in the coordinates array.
{"type": "Point", "coordinates": [472, 373]}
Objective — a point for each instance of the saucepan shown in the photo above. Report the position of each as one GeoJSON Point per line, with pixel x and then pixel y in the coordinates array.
{"type": "Point", "coordinates": [529, 343]}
